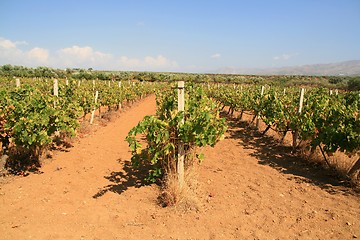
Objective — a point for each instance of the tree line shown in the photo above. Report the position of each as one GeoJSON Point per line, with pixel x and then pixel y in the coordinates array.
{"type": "Point", "coordinates": [332, 82]}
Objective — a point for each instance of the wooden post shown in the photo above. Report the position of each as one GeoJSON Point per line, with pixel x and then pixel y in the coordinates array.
{"type": "Point", "coordinates": [296, 132]}
{"type": "Point", "coordinates": [331, 92]}
{"type": "Point", "coordinates": [181, 151]}
{"type": "Point", "coordinates": [120, 94]}
{"type": "Point", "coordinates": [56, 88]}
{"type": "Point", "coordinates": [17, 82]}
{"type": "Point", "coordinates": [258, 114]}
{"type": "Point", "coordinates": [301, 100]}
{"type": "Point", "coordinates": [93, 84]}
{"type": "Point", "coordinates": [67, 82]}
{"type": "Point", "coordinates": [93, 112]}
{"type": "Point", "coordinates": [79, 83]}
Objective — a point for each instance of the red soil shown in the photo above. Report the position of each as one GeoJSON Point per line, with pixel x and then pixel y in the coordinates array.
{"type": "Point", "coordinates": [252, 189]}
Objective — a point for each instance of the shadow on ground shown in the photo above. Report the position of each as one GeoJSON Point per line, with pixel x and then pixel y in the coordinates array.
{"type": "Point", "coordinates": [125, 179]}
{"type": "Point", "coordinates": [269, 151]}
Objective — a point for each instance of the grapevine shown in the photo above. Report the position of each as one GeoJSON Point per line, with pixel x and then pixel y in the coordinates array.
{"type": "Point", "coordinates": [330, 122]}
{"type": "Point", "coordinates": [202, 127]}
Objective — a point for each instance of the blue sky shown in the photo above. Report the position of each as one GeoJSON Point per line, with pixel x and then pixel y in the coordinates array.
{"type": "Point", "coordinates": [185, 36]}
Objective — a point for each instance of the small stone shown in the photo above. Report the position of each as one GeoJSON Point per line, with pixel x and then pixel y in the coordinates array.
{"type": "Point", "coordinates": [348, 223]}
{"type": "Point", "coordinates": [355, 236]}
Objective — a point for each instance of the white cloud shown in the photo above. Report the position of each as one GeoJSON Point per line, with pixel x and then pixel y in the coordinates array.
{"type": "Point", "coordinates": [83, 57]}
{"type": "Point", "coordinates": [78, 56]}
{"type": "Point", "coordinates": [76, 52]}
{"type": "Point", "coordinates": [216, 55]}
{"type": "Point", "coordinates": [159, 61]}
{"type": "Point", "coordinates": [285, 56]}
{"type": "Point", "coordinates": [148, 63]}
{"type": "Point", "coordinates": [40, 55]}
{"type": "Point", "coordinates": [7, 44]}
{"type": "Point", "coordinates": [129, 62]}
{"type": "Point", "coordinates": [11, 54]}
{"type": "Point", "coordinates": [21, 43]}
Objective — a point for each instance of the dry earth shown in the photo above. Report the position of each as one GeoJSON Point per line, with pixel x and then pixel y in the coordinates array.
{"type": "Point", "coordinates": [252, 189]}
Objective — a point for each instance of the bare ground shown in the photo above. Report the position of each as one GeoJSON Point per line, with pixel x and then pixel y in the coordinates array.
{"type": "Point", "coordinates": [251, 187]}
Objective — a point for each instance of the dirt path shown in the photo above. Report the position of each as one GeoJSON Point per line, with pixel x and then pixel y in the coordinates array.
{"type": "Point", "coordinates": [252, 188]}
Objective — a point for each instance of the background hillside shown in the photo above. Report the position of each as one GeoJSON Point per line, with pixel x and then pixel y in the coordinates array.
{"type": "Point", "coordinates": [347, 68]}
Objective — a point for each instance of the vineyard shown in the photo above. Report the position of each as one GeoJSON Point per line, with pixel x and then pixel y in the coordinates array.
{"type": "Point", "coordinates": [250, 186]}
{"type": "Point", "coordinates": [329, 121]}
{"type": "Point", "coordinates": [35, 112]}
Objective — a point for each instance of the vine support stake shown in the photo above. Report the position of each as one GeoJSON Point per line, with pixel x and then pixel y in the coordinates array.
{"type": "Point", "coordinates": [17, 82]}
{"type": "Point", "coordinates": [259, 116]}
{"type": "Point", "coordinates": [56, 90]}
{"type": "Point", "coordinates": [93, 112]}
{"type": "Point", "coordinates": [296, 132]}
{"type": "Point", "coordinates": [301, 100]}
{"type": "Point", "coordinates": [120, 95]}
{"type": "Point", "coordinates": [181, 150]}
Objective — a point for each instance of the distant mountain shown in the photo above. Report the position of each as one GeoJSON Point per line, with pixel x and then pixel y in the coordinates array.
{"type": "Point", "coordinates": [348, 68]}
